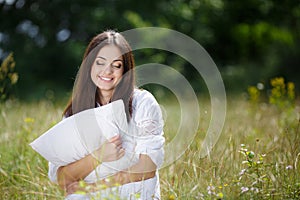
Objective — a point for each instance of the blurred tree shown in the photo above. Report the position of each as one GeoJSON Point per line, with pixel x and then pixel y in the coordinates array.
{"type": "Point", "coordinates": [249, 40]}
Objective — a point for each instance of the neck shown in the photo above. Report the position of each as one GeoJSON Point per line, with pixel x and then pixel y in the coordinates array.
{"type": "Point", "coordinates": [104, 98]}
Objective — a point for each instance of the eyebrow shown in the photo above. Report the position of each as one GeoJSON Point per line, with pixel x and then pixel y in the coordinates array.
{"type": "Point", "coordinates": [101, 57]}
{"type": "Point", "coordinates": [113, 60]}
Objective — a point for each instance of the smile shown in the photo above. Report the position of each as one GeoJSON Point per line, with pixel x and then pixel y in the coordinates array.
{"type": "Point", "coordinates": [105, 78]}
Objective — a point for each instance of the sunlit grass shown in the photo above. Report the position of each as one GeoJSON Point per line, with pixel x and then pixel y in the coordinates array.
{"type": "Point", "coordinates": [224, 174]}
{"type": "Point", "coordinates": [23, 173]}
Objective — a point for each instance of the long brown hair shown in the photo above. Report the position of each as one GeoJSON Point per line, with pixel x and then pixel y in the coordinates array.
{"type": "Point", "coordinates": [85, 93]}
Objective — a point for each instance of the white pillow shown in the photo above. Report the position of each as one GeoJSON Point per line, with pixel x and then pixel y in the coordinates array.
{"type": "Point", "coordinates": [79, 135]}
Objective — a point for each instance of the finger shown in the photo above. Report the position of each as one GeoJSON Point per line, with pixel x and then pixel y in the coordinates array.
{"type": "Point", "coordinates": [122, 149]}
{"type": "Point", "coordinates": [71, 188]}
{"type": "Point", "coordinates": [119, 178]}
{"type": "Point", "coordinates": [121, 153]}
{"type": "Point", "coordinates": [117, 143]}
{"type": "Point", "coordinates": [72, 185]}
{"type": "Point", "coordinates": [114, 138]}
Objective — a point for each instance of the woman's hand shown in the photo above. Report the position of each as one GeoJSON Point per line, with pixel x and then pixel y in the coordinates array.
{"type": "Point", "coordinates": [73, 187]}
{"type": "Point", "coordinates": [111, 150]}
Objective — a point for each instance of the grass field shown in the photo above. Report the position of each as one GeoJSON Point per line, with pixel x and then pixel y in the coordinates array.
{"type": "Point", "coordinates": [256, 157]}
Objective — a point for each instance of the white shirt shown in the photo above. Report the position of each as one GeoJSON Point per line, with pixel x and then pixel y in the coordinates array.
{"type": "Point", "coordinates": [145, 137]}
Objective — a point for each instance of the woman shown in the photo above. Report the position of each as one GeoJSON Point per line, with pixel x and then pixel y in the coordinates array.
{"type": "Point", "coordinates": [107, 75]}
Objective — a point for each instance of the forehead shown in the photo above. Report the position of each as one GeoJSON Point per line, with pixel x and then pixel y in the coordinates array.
{"type": "Point", "coordinates": [110, 52]}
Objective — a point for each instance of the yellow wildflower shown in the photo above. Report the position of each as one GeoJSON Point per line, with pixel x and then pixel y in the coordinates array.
{"type": "Point", "coordinates": [29, 120]}
{"type": "Point", "coordinates": [291, 90]}
{"type": "Point", "coordinates": [278, 81]}
{"type": "Point", "coordinates": [253, 94]}
{"type": "Point", "coordinates": [220, 195]}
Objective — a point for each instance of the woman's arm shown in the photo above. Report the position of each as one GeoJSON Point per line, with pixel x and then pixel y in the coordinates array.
{"type": "Point", "coordinates": [75, 171]}
{"type": "Point", "coordinates": [111, 150]}
{"type": "Point", "coordinates": [143, 170]}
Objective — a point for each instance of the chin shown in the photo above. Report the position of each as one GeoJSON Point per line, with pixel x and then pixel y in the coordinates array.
{"type": "Point", "coordinates": [105, 88]}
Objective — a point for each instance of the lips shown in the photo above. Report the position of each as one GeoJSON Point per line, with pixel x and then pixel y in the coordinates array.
{"type": "Point", "coordinates": [105, 78]}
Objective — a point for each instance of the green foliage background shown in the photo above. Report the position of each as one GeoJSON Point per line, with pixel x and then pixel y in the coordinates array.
{"type": "Point", "coordinates": [250, 40]}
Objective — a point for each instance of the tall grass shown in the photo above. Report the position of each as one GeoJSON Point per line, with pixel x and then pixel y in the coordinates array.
{"type": "Point", "coordinates": [23, 173]}
{"type": "Point", "coordinates": [256, 157]}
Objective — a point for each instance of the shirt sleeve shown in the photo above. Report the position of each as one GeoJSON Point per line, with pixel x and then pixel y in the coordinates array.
{"type": "Point", "coordinates": [52, 172]}
{"type": "Point", "coordinates": [149, 128]}
{"type": "Point", "coordinates": [52, 169]}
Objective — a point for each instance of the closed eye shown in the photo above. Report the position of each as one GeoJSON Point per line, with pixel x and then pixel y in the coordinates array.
{"type": "Point", "coordinates": [117, 64]}
{"type": "Point", "coordinates": [100, 62]}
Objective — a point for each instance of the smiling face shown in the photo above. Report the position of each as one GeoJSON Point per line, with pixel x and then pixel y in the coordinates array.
{"type": "Point", "coordinates": [107, 69]}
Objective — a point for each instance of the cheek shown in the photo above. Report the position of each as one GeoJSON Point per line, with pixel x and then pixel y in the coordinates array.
{"type": "Point", "coordinates": [119, 75]}
{"type": "Point", "coordinates": [94, 70]}
{"type": "Point", "coordinates": [121, 72]}
{"type": "Point", "coordinates": [93, 73]}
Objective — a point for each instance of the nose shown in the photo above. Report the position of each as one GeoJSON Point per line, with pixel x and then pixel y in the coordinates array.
{"type": "Point", "coordinates": [107, 69]}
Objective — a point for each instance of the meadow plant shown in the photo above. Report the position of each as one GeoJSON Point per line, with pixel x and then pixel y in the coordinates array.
{"type": "Point", "coordinates": [253, 178]}
{"type": "Point", "coordinates": [282, 93]}
{"type": "Point", "coordinates": [254, 94]}
{"type": "Point", "coordinates": [267, 167]}
{"type": "Point", "coordinates": [281, 96]}
{"type": "Point", "coordinates": [101, 191]}
{"type": "Point", "coordinates": [8, 77]}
